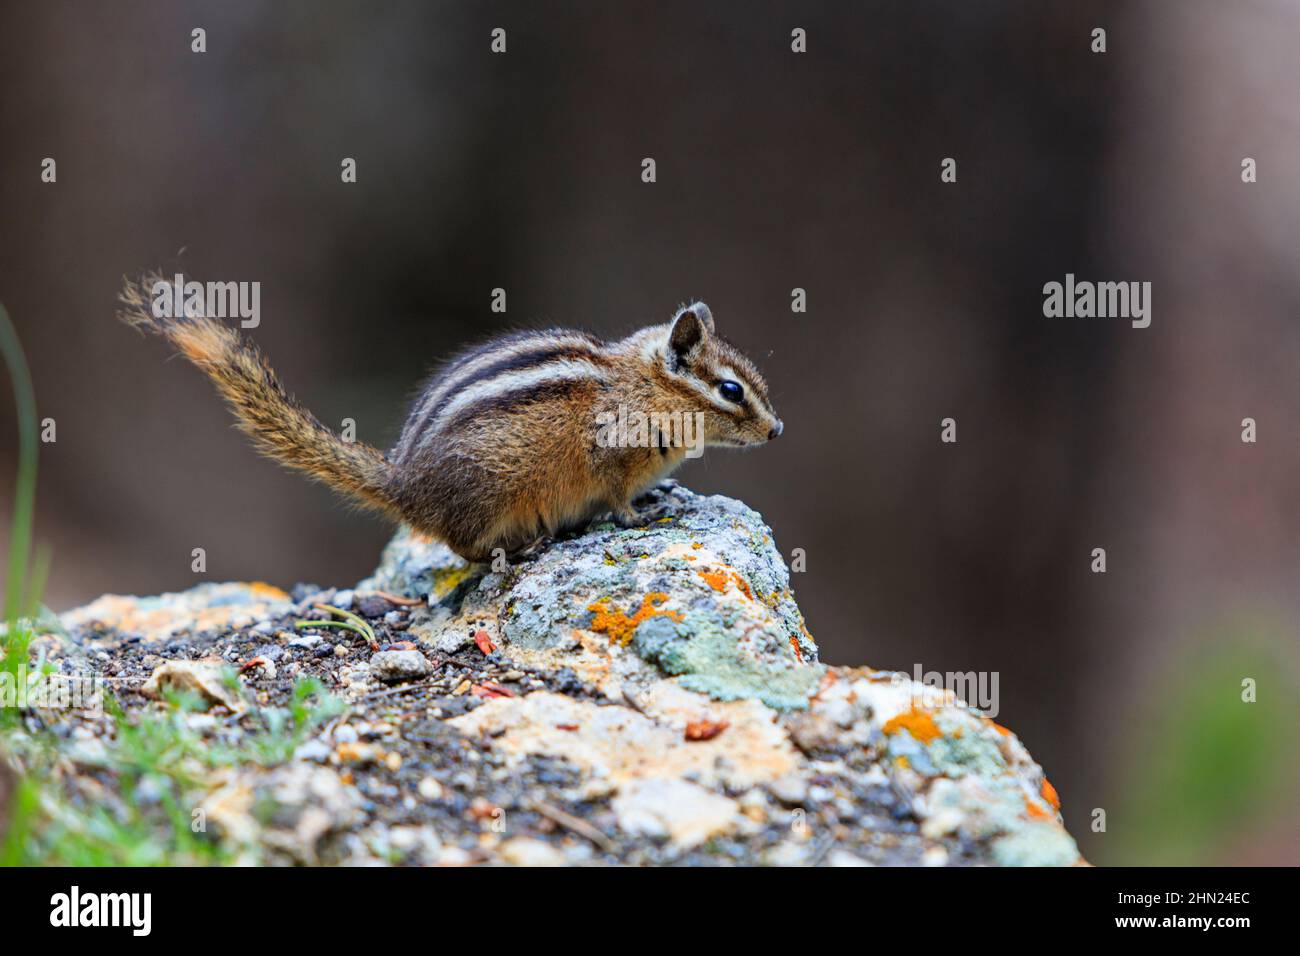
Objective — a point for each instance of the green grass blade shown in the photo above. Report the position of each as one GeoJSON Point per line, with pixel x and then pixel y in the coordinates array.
{"type": "Point", "coordinates": [25, 487]}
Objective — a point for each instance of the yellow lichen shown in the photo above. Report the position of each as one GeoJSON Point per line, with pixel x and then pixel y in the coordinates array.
{"type": "Point", "coordinates": [619, 626]}
{"type": "Point", "coordinates": [445, 582]}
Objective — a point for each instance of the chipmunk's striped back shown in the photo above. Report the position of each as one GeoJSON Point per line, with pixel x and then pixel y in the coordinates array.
{"type": "Point", "coordinates": [514, 370]}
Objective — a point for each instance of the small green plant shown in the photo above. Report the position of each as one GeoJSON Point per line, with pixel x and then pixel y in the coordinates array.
{"type": "Point", "coordinates": [350, 622]}
{"type": "Point", "coordinates": [160, 767]}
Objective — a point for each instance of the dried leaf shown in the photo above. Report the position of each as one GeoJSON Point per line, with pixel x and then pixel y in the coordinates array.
{"type": "Point", "coordinates": [484, 642]}
{"type": "Point", "coordinates": [705, 729]}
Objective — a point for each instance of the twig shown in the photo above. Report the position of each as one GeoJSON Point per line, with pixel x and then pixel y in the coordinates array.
{"type": "Point", "coordinates": [391, 691]}
{"type": "Point", "coordinates": [394, 599]}
{"type": "Point", "coordinates": [629, 698]}
{"type": "Point", "coordinates": [574, 824]}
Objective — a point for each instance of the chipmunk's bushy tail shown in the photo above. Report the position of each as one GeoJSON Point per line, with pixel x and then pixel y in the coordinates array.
{"type": "Point", "coordinates": [280, 427]}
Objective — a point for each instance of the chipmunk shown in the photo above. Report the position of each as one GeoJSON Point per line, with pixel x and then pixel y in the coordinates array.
{"type": "Point", "coordinates": [499, 449]}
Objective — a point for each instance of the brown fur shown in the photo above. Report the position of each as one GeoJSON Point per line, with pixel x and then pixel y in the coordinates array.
{"type": "Point", "coordinates": [280, 427]}
{"type": "Point", "coordinates": [513, 464]}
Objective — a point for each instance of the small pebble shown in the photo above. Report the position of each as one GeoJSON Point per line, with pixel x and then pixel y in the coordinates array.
{"type": "Point", "coordinates": [345, 734]}
{"type": "Point", "coordinates": [372, 605]}
{"type": "Point", "coordinates": [394, 666]}
{"type": "Point", "coordinates": [316, 751]}
{"type": "Point", "coordinates": [525, 851]}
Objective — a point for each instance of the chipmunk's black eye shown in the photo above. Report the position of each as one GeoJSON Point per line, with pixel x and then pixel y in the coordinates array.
{"type": "Point", "coordinates": [731, 391]}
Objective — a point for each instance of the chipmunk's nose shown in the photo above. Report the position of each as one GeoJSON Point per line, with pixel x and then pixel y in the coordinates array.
{"type": "Point", "coordinates": [776, 430]}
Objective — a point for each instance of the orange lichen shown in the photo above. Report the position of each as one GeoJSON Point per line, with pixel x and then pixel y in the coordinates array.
{"type": "Point", "coordinates": [1035, 811]}
{"type": "Point", "coordinates": [718, 581]}
{"type": "Point", "coordinates": [267, 591]}
{"type": "Point", "coordinates": [918, 723]}
{"type": "Point", "coordinates": [714, 579]}
{"type": "Point", "coordinates": [697, 545]}
{"type": "Point", "coordinates": [1050, 795]}
{"type": "Point", "coordinates": [999, 728]}
{"type": "Point", "coordinates": [794, 642]}
{"type": "Point", "coordinates": [619, 626]}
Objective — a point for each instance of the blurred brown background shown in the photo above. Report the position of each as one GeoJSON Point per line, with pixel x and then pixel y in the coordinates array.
{"type": "Point", "coordinates": [776, 171]}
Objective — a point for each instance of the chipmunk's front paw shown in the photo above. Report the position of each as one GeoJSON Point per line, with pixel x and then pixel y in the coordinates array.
{"type": "Point", "coordinates": [532, 549]}
{"type": "Point", "coordinates": [627, 517]}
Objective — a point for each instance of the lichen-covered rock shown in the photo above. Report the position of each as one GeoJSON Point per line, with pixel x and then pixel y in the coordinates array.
{"type": "Point", "coordinates": [699, 592]}
{"type": "Point", "coordinates": [162, 616]}
{"type": "Point", "coordinates": [645, 696]}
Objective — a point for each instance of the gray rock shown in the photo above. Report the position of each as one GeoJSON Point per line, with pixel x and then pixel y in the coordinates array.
{"type": "Point", "coordinates": [393, 666]}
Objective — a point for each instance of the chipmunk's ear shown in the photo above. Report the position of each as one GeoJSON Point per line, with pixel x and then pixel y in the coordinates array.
{"type": "Point", "coordinates": [705, 316]}
{"type": "Point", "coordinates": [701, 312]}
{"type": "Point", "coordinates": [690, 328]}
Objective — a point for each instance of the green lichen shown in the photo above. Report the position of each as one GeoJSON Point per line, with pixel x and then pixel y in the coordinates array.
{"type": "Point", "coordinates": [1036, 844]}
{"type": "Point", "coordinates": [965, 748]}
{"type": "Point", "coordinates": [709, 659]}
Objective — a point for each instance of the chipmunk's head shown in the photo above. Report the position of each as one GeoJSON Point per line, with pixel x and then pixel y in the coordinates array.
{"type": "Point", "coordinates": [730, 392]}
